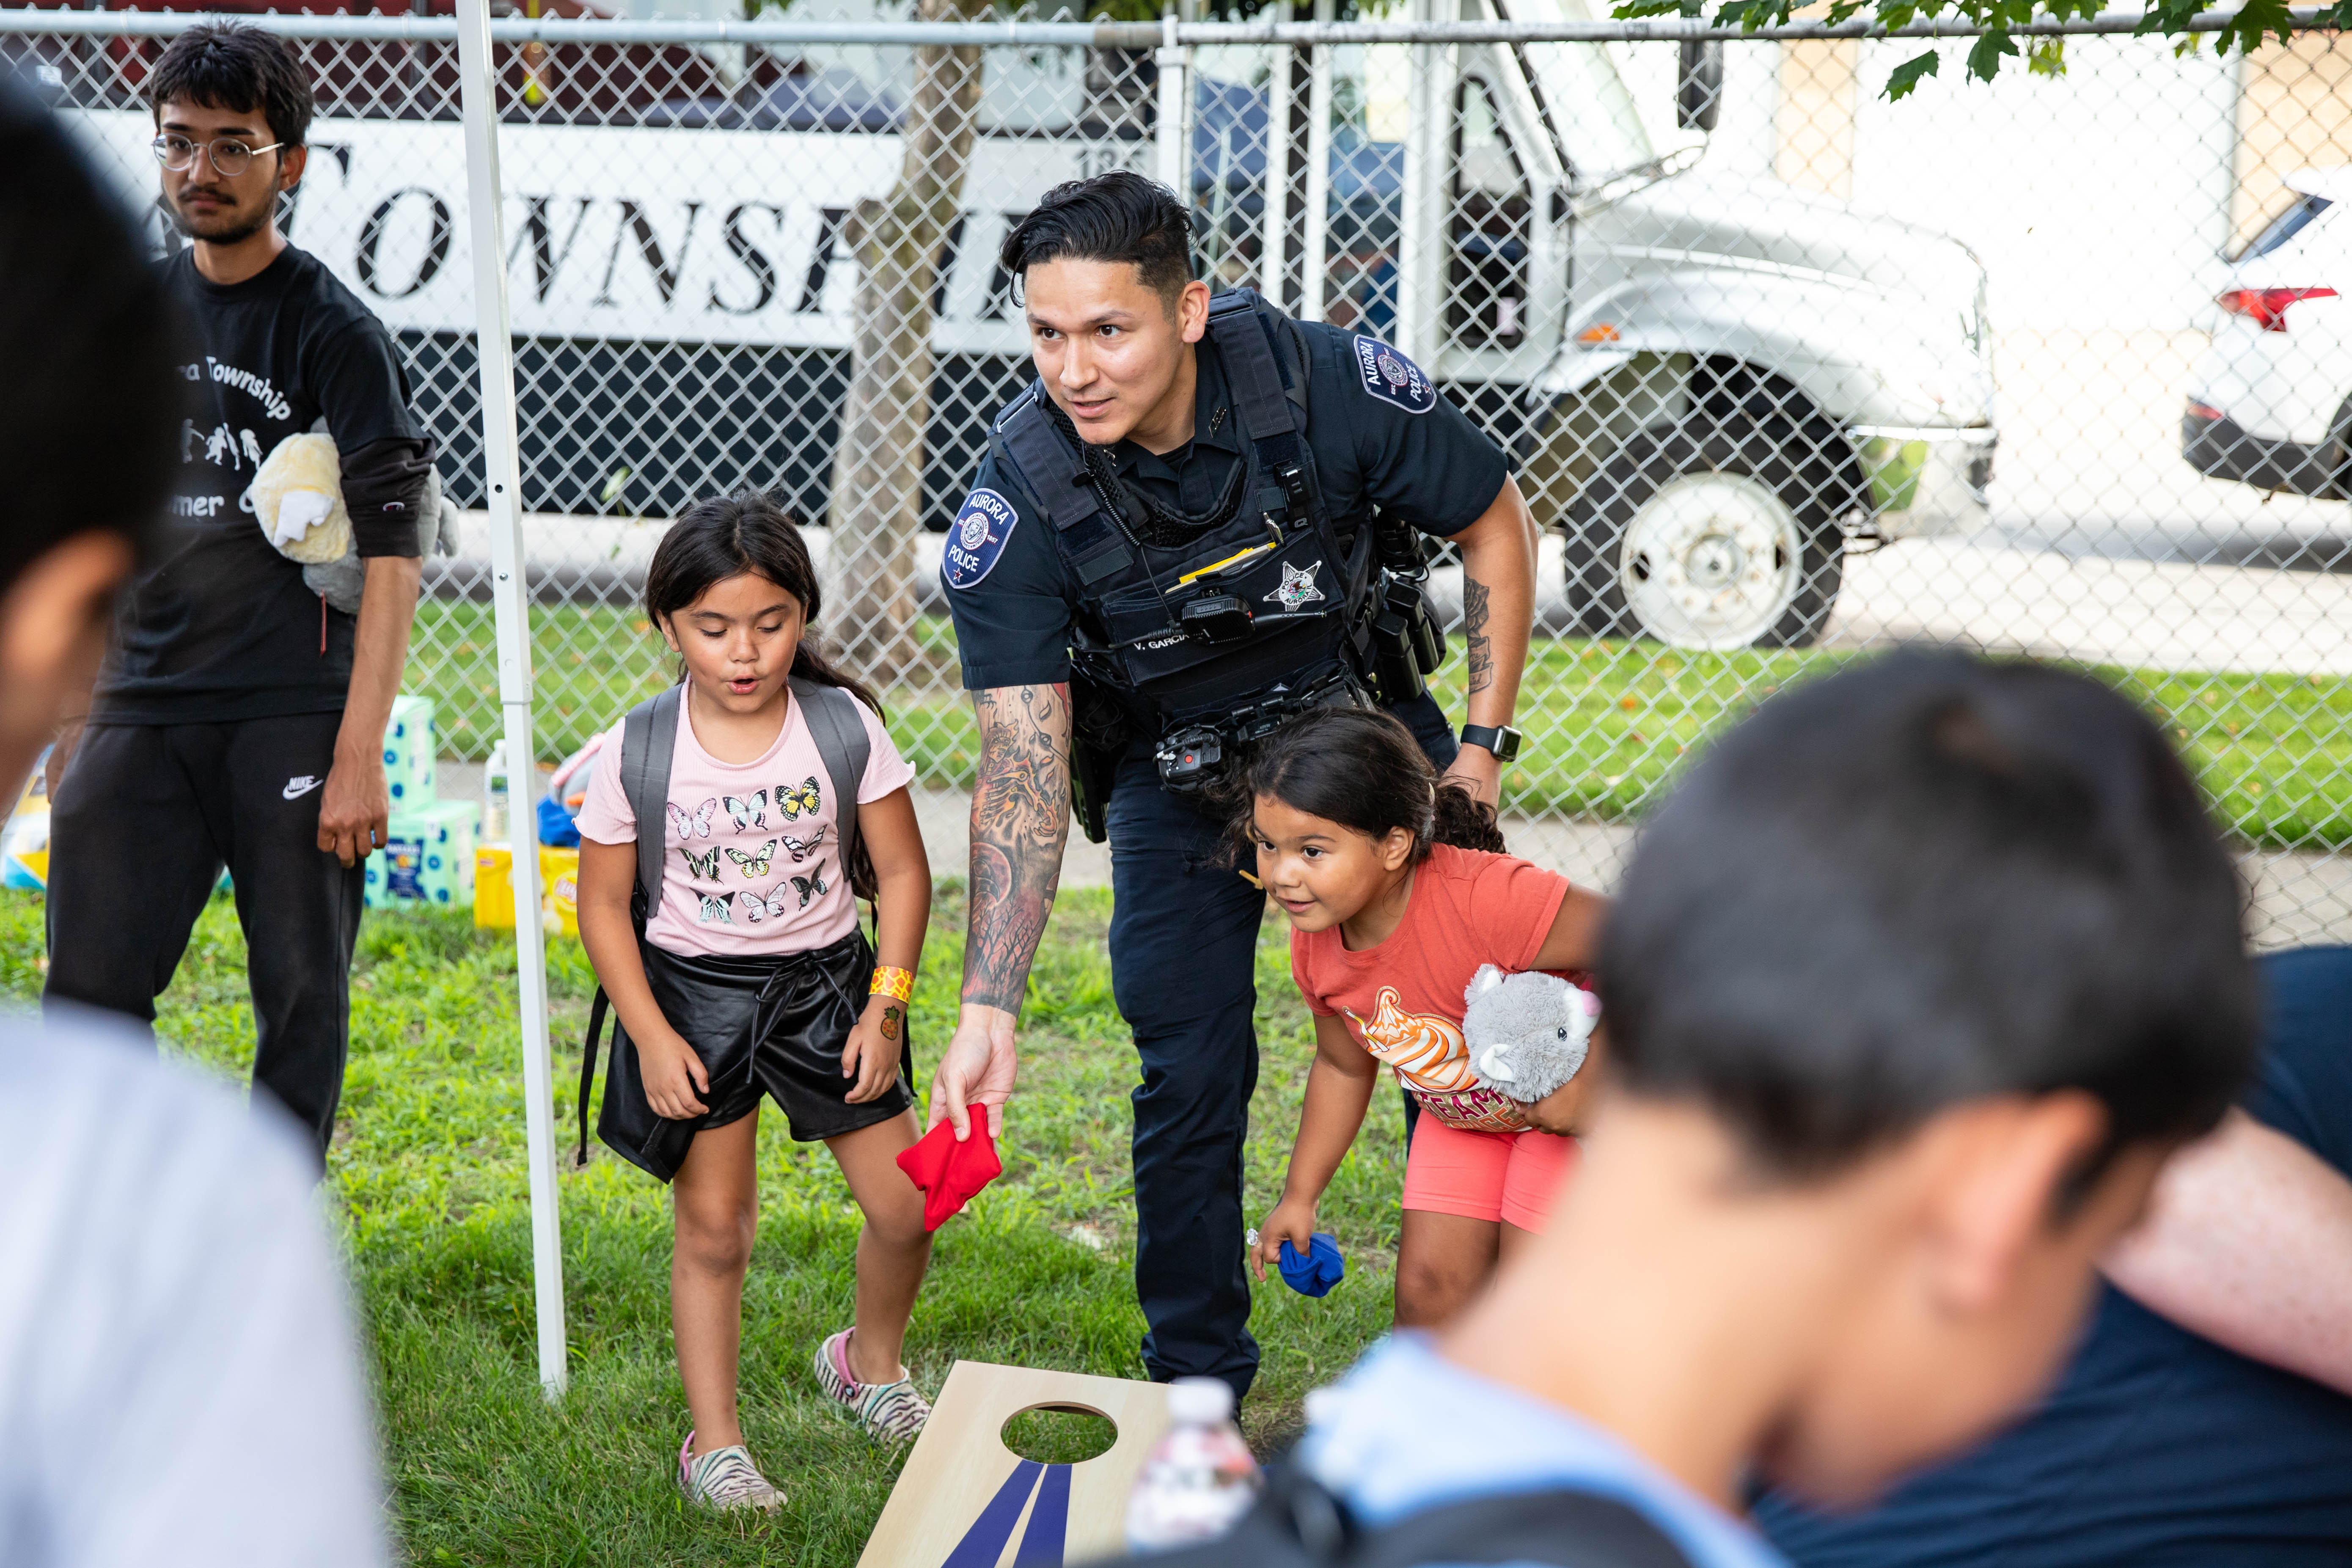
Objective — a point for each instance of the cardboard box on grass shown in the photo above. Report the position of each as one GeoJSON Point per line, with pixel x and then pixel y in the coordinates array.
{"type": "Point", "coordinates": [428, 856]}
{"type": "Point", "coordinates": [964, 1497]}
{"type": "Point", "coordinates": [410, 740]}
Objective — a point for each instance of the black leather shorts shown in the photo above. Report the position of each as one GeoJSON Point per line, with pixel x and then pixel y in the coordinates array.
{"type": "Point", "coordinates": [762, 1026]}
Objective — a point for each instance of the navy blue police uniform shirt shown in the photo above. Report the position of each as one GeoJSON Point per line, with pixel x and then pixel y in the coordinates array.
{"type": "Point", "coordinates": [223, 629]}
{"type": "Point", "coordinates": [2157, 1448]}
{"type": "Point", "coordinates": [1381, 438]}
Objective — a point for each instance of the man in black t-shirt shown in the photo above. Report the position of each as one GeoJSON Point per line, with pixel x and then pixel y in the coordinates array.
{"type": "Point", "coordinates": [239, 718]}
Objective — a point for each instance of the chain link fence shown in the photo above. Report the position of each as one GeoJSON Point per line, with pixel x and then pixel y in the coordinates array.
{"type": "Point", "coordinates": [2055, 366]}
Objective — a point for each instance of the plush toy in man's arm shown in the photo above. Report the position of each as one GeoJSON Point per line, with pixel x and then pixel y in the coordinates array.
{"type": "Point", "coordinates": [1528, 1036]}
{"type": "Point", "coordinates": [297, 498]}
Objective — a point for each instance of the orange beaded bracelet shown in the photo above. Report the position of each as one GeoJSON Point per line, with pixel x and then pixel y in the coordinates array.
{"type": "Point", "coordinates": [890, 981]}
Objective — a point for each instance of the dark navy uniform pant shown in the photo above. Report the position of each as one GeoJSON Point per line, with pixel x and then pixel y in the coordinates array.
{"type": "Point", "coordinates": [1183, 939]}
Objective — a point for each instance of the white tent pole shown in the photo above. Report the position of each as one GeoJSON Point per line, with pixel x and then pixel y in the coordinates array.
{"type": "Point", "coordinates": [510, 600]}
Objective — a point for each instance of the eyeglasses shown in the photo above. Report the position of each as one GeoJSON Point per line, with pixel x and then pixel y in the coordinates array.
{"type": "Point", "coordinates": [229, 157]}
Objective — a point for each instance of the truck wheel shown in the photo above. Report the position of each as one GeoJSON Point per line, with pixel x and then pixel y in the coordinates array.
{"type": "Point", "coordinates": [1714, 537]}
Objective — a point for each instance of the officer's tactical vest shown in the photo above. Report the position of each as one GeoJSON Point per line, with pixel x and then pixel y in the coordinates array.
{"type": "Point", "coordinates": [1267, 610]}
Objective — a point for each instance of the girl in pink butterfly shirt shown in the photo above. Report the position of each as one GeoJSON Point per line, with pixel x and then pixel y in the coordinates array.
{"type": "Point", "coordinates": [752, 979]}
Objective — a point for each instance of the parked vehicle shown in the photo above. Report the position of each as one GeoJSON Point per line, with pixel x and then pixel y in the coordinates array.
{"type": "Point", "coordinates": [2271, 405]}
{"type": "Point", "coordinates": [1711, 386]}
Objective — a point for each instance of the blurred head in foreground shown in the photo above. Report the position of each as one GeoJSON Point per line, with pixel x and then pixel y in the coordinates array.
{"type": "Point", "coordinates": [1914, 984]}
{"type": "Point", "coordinates": [89, 457]}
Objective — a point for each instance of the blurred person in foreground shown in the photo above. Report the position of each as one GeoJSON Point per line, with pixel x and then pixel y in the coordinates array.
{"type": "Point", "coordinates": [239, 718]}
{"type": "Point", "coordinates": [1914, 985]}
{"type": "Point", "coordinates": [2207, 1416]}
{"type": "Point", "coordinates": [177, 1377]}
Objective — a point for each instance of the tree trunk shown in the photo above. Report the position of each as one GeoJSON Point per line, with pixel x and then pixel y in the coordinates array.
{"type": "Point", "coordinates": [878, 466]}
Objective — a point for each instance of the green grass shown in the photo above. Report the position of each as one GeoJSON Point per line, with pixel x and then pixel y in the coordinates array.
{"type": "Point", "coordinates": [427, 1169]}
{"type": "Point", "coordinates": [1607, 723]}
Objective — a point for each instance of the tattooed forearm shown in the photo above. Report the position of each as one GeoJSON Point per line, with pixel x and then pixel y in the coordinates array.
{"type": "Point", "coordinates": [1474, 614]}
{"type": "Point", "coordinates": [1020, 814]}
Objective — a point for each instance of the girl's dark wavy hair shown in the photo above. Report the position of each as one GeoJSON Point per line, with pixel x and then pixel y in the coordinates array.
{"type": "Point", "coordinates": [1362, 768]}
{"type": "Point", "coordinates": [749, 534]}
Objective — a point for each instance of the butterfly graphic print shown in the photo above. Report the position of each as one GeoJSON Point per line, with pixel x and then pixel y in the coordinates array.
{"type": "Point", "coordinates": [805, 801]}
{"type": "Point", "coordinates": [714, 912]}
{"type": "Point", "coordinates": [703, 866]}
{"type": "Point", "coordinates": [749, 815]}
{"type": "Point", "coordinates": [801, 849]}
{"type": "Point", "coordinates": [685, 827]}
{"type": "Point", "coordinates": [758, 906]}
{"type": "Point", "coordinates": [756, 863]}
{"type": "Point", "coordinates": [810, 886]}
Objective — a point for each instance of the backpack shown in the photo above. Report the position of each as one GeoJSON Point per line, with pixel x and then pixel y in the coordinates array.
{"type": "Point", "coordinates": [1297, 1522]}
{"type": "Point", "coordinates": [648, 739]}
{"type": "Point", "coordinates": [1299, 1525]}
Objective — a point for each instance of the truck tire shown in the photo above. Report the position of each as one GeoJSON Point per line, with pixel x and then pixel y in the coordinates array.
{"type": "Point", "coordinates": [1714, 536]}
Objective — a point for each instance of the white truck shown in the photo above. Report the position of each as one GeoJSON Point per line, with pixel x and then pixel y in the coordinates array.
{"type": "Point", "coordinates": [1711, 386]}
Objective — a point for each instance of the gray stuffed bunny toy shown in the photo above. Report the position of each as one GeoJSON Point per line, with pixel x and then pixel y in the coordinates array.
{"type": "Point", "coordinates": [1527, 1034]}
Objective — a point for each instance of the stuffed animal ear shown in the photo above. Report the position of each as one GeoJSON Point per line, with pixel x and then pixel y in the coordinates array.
{"type": "Point", "coordinates": [1488, 978]}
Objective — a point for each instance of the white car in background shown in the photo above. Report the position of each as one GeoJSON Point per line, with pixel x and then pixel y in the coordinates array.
{"type": "Point", "coordinates": [2271, 405]}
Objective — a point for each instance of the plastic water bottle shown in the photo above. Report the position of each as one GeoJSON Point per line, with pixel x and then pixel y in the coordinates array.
{"type": "Point", "coordinates": [496, 787]}
{"type": "Point", "coordinates": [1200, 1478]}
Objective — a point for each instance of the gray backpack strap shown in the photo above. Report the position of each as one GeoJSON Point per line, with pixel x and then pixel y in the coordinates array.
{"type": "Point", "coordinates": [841, 740]}
{"type": "Point", "coordinates": [648, 739]}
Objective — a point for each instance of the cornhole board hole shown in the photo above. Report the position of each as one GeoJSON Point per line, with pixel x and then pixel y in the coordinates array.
{"type": "Point", "coordinates": [965, 1500]}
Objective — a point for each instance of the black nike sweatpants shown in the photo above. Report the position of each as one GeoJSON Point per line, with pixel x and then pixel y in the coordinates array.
{"type": "Point", "coordinates": [144, 818]}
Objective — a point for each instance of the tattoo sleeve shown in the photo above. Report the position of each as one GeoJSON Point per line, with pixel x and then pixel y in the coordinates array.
{"type": "Point", "coordinates": [1481, 648]}
{"type": "Point", "coordinates": [1020, 816]}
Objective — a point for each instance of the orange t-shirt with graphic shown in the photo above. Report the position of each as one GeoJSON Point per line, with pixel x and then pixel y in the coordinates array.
{"type": "Point", "coordinates": [1403, 998]}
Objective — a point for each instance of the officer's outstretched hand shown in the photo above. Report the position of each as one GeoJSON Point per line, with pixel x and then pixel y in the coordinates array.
{"type": "Point", "coordinates": [976, 1070]}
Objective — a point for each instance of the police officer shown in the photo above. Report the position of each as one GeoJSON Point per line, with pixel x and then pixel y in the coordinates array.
{"type": "Point", "coordinates": [1200, 519]}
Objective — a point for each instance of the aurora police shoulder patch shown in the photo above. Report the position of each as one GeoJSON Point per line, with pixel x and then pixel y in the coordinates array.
{"type": "Point", "coordinates": [977, 538]}
{"type": "Point", "coordinates": [1392, 378]}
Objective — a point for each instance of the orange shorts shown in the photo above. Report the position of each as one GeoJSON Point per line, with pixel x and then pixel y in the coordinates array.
{"type": "Point", "coordinates": [1507, 1176]}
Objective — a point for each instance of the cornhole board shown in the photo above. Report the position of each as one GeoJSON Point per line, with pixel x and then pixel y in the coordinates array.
{"type": "Point", "coordinates": [965, 1500]}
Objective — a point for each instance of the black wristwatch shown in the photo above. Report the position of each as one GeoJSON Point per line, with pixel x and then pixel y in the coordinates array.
{"type": "Point", "coordinates": [1499, 739]}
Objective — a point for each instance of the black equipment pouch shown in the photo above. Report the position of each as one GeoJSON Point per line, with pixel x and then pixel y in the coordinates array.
{"type": "Point", "coordinates": [1099, 734]}
{"type": "Point", "coordinates": [1298, 1523]}
{"type": "Point", "coordinates": [648, 742]}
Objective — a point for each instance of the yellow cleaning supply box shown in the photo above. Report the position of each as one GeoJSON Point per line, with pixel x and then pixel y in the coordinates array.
{"type": "Point", "coordinates": [559, 881]}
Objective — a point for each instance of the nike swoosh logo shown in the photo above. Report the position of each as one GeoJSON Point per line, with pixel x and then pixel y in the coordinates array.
{"type": "Point", "coordinates": [296, 788]}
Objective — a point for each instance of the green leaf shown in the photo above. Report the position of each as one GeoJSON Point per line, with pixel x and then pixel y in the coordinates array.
{"type": "Point", "coordinates": [1984, 58]}
{"type": "Point", "coordinates": [1630, 9]}
{"type": "Point", "coordinates": [1905, 77]}
{"type": "Point", "coordinates": [1846, 8]}
{"type": "Point", "coordinates": [2046, 57]}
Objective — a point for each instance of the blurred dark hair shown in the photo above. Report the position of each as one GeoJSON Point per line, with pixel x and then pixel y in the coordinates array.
{"type": "Point", "coordinates": [85, 313]}
{"type": "Point", "coordinates": [1925, 880]}
{"type": "Point", "coordinates": [1118, 217]}
{"type": "Point", "coordinates": [1362, 768]}
{"type": "Point", "coordinates": [224, 66]}
{"type": "Point", "coordinates": [743, 534]}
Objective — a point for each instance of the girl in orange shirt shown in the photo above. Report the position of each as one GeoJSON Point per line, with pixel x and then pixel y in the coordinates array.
{"type": "Point", "coordinates": [1398, 891]}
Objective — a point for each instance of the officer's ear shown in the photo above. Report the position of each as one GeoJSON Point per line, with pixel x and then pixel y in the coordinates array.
{"type": "Point", "coordinates": [1193, 312]}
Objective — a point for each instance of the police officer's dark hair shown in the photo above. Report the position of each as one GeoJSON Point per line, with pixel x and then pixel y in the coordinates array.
{"type": "Point", "coordinates": [1362, 768]}
{"type": "Point", "coordinates": [1925, 880]}
{"type": "Point", "coordinates": [94, 452]}
{"type": "Point", "coordinates": [236, 69]}
{"type": "Point", "coordinates": [1118, 217]}
{"type": "Point", "coordinates": [729, 536]}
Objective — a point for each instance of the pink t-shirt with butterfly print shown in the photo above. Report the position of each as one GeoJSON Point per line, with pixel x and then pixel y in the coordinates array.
{"type": "Point", "coordinates": [751, 858]}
